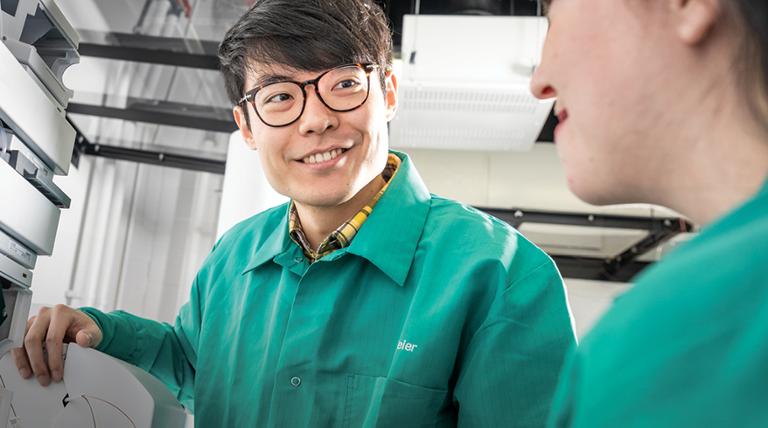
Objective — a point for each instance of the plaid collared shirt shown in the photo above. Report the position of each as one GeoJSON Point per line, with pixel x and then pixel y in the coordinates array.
{"type": "Point", "coordinates": [342, 236]}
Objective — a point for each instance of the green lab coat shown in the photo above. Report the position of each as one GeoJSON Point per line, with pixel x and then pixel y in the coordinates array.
{"type": "Point", "coordinates": [436, 314]}
{"type": "Point", "coordinates": [688, 345]}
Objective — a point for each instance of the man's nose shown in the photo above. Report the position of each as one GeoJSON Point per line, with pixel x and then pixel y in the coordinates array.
{"type": "Point", "coordinates": [317, 117]}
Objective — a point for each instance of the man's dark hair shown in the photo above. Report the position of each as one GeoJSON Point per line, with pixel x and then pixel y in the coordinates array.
{"type": "Point", "coordinates": [309, 35]}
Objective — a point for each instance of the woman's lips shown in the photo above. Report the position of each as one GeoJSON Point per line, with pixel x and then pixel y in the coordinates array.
{"type": "Point", "coordinates": [562, 117]}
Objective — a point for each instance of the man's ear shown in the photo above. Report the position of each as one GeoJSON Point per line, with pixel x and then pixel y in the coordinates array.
{"type": "Point", "coordinates": [243, 124]}
{"type": "Point", "coordinates": [390, 94]}
{"type": "Point", "coordinates": [694, 20]}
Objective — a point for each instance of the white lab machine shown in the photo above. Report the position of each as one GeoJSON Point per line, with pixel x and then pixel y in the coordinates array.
{"type": "Point", "coordinates": [36, 144]}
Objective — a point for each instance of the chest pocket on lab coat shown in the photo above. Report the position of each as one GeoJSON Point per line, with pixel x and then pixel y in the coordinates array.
{"type": "Point", "coordinates": [383, 402]}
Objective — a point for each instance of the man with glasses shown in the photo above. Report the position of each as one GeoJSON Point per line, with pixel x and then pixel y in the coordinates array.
{"type": "Point", "coordinates": [364, 301]}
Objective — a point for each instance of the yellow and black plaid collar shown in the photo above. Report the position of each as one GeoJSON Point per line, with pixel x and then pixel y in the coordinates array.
{"type": "Point", "coordinates": [342, 236]}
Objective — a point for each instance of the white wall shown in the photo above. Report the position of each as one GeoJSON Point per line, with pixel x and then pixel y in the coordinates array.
{"type": "Point", "coordinates": [590, 299]}
{"type": "Point", "coordinates": [246, 190]}
{"type": "Point", "coordinates": [532, 179]}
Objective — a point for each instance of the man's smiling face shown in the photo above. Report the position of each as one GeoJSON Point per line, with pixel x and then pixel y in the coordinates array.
{"type": "Point", "coordinates": [326, 157]}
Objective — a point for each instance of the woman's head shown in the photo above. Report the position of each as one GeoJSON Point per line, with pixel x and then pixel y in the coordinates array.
{"type": "Point", "coordinates": [643, 84]}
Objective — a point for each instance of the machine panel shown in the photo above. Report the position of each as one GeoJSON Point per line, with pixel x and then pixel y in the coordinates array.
{"type": "Point", "coordinates": [27, 215]}
{"type": "Point", "coordinates": [32, 116]}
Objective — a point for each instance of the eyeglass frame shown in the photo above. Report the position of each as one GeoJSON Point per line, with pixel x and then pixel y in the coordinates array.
{"type": "Point", "coordinates": [367, 68]}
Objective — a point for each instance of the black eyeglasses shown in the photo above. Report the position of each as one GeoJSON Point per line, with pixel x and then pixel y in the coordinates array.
{"type": "Point", "coordinates": [341, 89]}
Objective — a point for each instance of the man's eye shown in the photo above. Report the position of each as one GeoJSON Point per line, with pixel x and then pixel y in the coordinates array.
{"type": "Point", "coordinates": [347, 84]}
{"type": "Point", "coordinates": [277, 98]}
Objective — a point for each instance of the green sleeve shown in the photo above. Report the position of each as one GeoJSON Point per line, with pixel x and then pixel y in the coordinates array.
{"type": "Point", "coordinates": [166, 351]}
{"type": "Point", "coordinates": [510, 369]}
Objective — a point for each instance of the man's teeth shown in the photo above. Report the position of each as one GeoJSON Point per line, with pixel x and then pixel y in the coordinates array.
{"type": "Point", "coordinates": [323, 157]}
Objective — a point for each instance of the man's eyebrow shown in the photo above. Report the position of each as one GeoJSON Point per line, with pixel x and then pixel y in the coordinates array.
{"type": "Point", "coordinates": [271, 78]}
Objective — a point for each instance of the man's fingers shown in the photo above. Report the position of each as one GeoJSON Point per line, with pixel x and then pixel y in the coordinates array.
{"type": "Point", "coordinates": [29, 323]}
{"type": "Point", "coordinates": [22, 362]}
{"type": "Point", "coordinates": [84, 331]}
{"type": "Point", "coordinates": [85, 339]}
{"type": "Point", "coordinates": [33, 343]}
{"type": "Point", "coordinates": [20, 354]}
{"type": "Point", "coordinates": [54, 340]}
{"type": "Point", "coordinates": [45, 338]}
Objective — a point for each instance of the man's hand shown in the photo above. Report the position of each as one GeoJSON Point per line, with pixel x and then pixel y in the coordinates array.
{"type": "Point", "coordinates": [44, 339]}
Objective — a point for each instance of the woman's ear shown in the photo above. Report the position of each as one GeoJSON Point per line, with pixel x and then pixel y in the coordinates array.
{"type": "Point", "coordinates": [695, 19]}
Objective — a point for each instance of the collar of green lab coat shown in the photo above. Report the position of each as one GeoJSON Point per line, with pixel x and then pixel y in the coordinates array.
{"type": "Point", "coordinates": [388, 238]}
